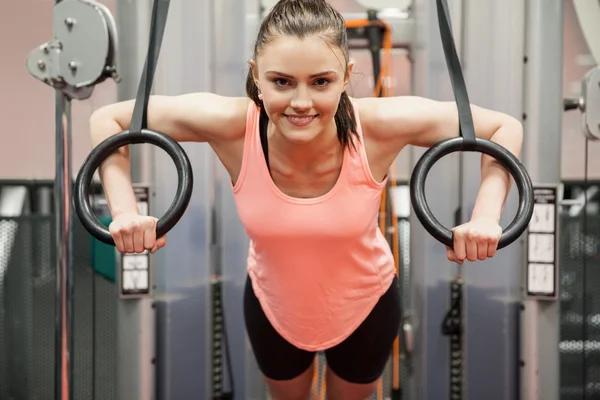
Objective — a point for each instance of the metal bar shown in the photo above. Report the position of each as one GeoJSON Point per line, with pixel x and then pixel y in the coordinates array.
{"type": "Point", "coordinates": [64, 260]}
{"type": "Point", "coordinates": [63, 183]}
{"type": "Point", "coordinates": [543, 107]}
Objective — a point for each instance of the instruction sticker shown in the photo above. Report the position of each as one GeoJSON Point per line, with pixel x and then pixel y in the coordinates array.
{"type": "Point", "coordinates": [542, 270]}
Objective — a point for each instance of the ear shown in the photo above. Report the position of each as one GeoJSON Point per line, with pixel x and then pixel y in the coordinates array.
{"type": "Point", "coordinates": [348, 74]}
{"type": "Point", "coordinates": [254, 70]}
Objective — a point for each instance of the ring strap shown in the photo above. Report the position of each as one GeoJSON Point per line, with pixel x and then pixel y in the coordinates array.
{"type": "Point", "coordinates": [467, 128]}
{"type": "Point", "coordinates": [139, 119]}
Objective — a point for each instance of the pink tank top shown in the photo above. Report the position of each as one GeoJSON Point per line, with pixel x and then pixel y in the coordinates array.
{"type": "Point", "coordinates": [319, 265]}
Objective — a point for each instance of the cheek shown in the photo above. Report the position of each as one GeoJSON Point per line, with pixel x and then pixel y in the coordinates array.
{"type": "Point", "coordinates": [327, 103]}
{"type": "Point", "coordinates": [275, 100]}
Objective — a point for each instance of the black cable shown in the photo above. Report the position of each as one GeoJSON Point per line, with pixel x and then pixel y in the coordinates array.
{"type": "Point", "coordinates": [584, 266]}
{"type": "Point", "coordinates": [375, 40]}
{"type": "Point", "coordinates": [228, 357]}
{"type": "Point", "coordinates": [220, 340]}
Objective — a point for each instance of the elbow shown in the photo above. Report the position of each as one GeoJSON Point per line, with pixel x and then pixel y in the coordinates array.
{"type": "Point", "coordinates": [102, 125]}
{"type": "Point", "coordinates": [510, 135]}
{"type": "Point", "coordinates": [516, 134]}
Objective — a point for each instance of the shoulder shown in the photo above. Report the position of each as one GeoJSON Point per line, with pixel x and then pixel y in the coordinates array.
{"type": "Point", "coordinates": [225, 117]}
{"type": "Point", "coordinates": [381, 117]}
{"type": "Point", "coordinates": [236, 113]}
{"type": "Point", "coordinates": [212, 117]}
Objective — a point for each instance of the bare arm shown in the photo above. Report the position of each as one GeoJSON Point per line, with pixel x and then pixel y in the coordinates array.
{"type": "Point", "coordinates": [197, 117]}
{"type": "Point", "coordinates": [399, 121]}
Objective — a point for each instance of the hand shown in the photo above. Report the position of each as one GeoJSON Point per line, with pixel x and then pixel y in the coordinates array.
{"type": "Point", "coordinates": [134, 233]}
{"type": "Point", "coordinates": [475, 240]}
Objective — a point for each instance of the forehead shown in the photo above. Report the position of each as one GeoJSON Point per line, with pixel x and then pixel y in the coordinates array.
{"type": "Point", "coordinates": [297, 57]}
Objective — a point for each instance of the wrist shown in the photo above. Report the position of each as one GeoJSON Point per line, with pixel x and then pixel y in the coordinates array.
{"type": "Point", "coordinates": [120, 211]}
{"type": "Point", "coordinates": [487, 215]}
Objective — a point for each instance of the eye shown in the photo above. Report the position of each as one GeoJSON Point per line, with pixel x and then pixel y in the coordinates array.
{"type": "Point", "coordinates": [280, 82]}
{"type": "Point", "coordinates": [322, 82]}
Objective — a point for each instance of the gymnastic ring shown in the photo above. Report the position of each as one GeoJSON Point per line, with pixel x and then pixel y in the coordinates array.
{"type": "Point", "coordinates": [503, 156]}
{"type": "Point", "coordinates": [185, 180]}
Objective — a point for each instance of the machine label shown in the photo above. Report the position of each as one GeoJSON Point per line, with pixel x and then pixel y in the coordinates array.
{"type": "Point", "coordinates": [542, 271]}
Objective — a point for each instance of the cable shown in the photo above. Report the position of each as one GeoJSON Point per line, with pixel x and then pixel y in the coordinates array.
{"type": "Point", "coordinates": [584, 265]}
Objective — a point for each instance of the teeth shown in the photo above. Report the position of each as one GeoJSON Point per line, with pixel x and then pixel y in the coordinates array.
{"type": "Point", "coordinates": [300, 118]}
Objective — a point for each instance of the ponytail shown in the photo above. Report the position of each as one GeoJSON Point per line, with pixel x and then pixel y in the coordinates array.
{"type": "Point", "coordinates": [345, 121]}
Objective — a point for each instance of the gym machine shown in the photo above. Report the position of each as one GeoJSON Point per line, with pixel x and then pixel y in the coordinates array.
{"type": "Point", "coordinates": [74, 81]}
{"type": "Point", "coordinates": [81, 55]}
{"type": "Point", "coordinates": [75, 46]}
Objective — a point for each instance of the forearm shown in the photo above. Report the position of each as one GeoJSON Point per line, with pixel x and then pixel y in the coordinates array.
{"type": "Point", "coordinates": [114, 172]}
{"type": "Point", "coordinates": [495, 179]}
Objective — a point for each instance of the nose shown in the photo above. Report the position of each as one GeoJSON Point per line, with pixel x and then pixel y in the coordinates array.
{"type": "Point", "coordinates": [301, 100]}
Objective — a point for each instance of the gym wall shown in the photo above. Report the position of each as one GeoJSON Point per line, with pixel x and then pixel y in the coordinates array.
{"type": "Point", "coordinates": [27, 105]}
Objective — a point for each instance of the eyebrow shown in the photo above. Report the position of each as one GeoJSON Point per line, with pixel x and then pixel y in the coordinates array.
{"type": "Point", "coordinates": [310, 76]}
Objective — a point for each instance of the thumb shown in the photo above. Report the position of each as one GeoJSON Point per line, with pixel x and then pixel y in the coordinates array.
{"type": "Point", "coordinates": [160, 243]}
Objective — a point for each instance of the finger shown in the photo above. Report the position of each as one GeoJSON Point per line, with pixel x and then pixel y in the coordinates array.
{"type": "Point", "coordinates": [127, 234]}
{"type": "Point", "coordinates": [482, 248]}
{"type": "Point", "coordinates": [460, 249]}
{"type": "Point", "coordinates": [451, 256]}
{"type": "Point", "coordinates": [471, 245]}
{"type": "Point", "coordinates": [150, 236]}
{"type": "Point", "coordinates": [117, 238]}
{"type": "Point", "coordinates": [138, 238]}
{"type": "Point", "coordinates": [493, 246]}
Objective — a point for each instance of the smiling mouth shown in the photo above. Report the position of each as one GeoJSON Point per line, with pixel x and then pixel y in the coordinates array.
{"type": "Point", "coordinates": [300, 120]}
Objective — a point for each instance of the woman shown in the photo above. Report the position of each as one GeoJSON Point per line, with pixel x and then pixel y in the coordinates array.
{"type": "Point", "coordinates": [307, 167]}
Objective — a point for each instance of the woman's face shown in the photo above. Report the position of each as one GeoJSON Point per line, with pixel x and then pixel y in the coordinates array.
{"type": "Point", "coordinates": [301, 81]}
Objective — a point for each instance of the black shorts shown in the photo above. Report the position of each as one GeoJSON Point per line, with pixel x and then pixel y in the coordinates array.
{"type": "Point", "coordinates": [361, 358]}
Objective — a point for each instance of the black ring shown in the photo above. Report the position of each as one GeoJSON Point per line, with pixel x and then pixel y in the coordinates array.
{"type": "Point", "coordinates": [502, 155]}
{"type": "Point", "coordinates": [185, 180]}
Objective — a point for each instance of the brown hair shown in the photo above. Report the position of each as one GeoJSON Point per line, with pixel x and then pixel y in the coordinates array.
{"type": "Point", "coordinates": [302, 18]}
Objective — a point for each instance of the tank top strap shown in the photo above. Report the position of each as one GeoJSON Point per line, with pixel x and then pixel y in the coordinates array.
{"type": "Point", "coordinates": [251, 144]}
{"type": "Point", "coordinates": [359, 153]}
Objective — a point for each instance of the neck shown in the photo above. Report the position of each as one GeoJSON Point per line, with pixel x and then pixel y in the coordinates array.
{"type": "Point", "coordinates": [308, 154]}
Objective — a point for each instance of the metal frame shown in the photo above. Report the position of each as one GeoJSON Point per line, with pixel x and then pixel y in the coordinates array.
{"type": "Point", "coordinates": [543, 108]}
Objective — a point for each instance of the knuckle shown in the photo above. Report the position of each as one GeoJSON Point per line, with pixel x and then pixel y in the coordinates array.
{"type": "Point", "coordinates": [125, 229]}
{"type": "Point", "coordinates": [114, 229]}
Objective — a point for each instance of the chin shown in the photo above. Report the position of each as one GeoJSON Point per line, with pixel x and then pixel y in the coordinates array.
{"type": "Point", "coordinates": [300, 136]}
